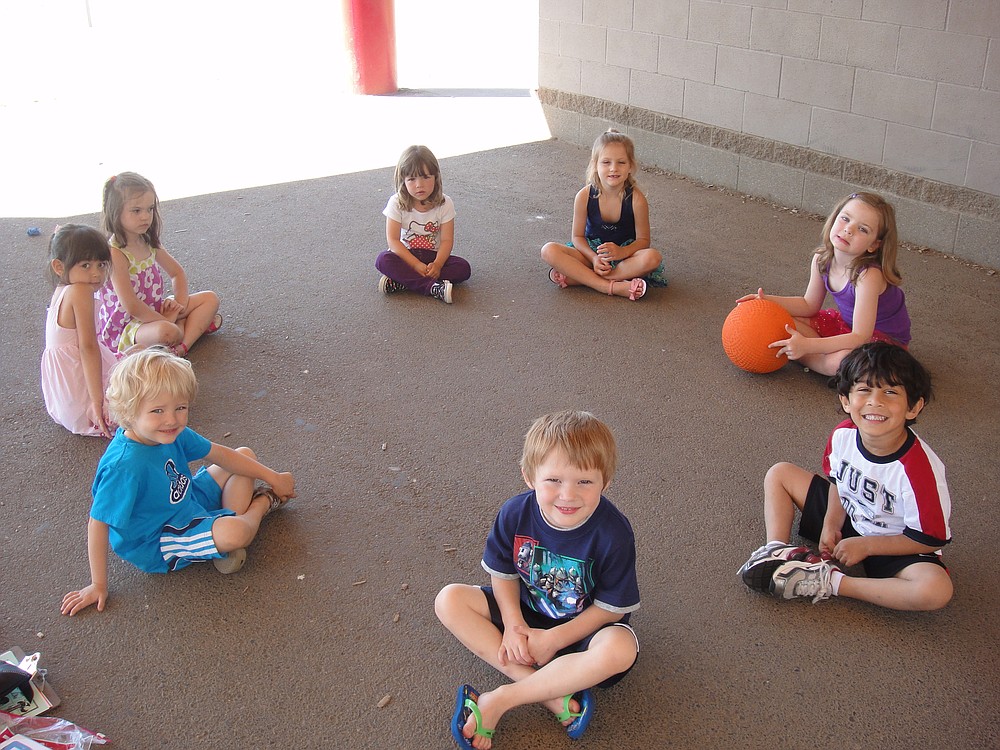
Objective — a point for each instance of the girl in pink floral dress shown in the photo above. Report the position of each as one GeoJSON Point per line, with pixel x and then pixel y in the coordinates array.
{"type": "Point", "coordinates": [134, 309]}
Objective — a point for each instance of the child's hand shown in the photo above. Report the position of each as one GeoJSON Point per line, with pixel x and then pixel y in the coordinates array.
{"type": "Point", "coordinates": [170, 309]}
{"type": "Point", "coordinates": [850, 551]}
{"type": "Point", "coordinates": [601, 265]}
{"type": "Point", "coordinates": [828, 540]}
{"type": "Point", "coordinates": [793, 347]}
{"type": "Point", "coordinates": [284, 486]}
{"type": "Point", "coordinates": [97, 418]}
{"type": "Point", "coordinates": [514, 646]}
{"type": "Point", "coordinates": [76, 601]}
{"type": "Point", "coordinates": [542, 645]}
{"type": "Point", "coordinates": [609, 251]}
{"type": "Point", "coordinates": [432, 270]}
{"type": "Point", "coordinates": [102, 425]}
{"type": "Point", "coordinates": [748, 297]}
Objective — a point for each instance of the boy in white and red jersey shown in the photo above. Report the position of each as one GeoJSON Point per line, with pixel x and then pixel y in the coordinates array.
{"type": "Point", "coordinates": [881, 502]}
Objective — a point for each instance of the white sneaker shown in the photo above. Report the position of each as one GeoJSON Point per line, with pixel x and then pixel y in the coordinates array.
{"type": "Point", "coordinates": [803, 579]}
{"type": "Point", "coordinates": [388, 286]}
{"type": "Point", "coordinates": [756, 572]}
{"type": "Point", "coordinates": [442, 290]}
{"type": "Point", "coordinates": [231, 562]}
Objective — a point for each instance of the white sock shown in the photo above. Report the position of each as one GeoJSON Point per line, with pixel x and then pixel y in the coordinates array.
{"type": "Point", "coordinates": [835, 578]}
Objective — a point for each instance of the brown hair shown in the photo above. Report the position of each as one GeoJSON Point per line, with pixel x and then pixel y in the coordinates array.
{"type": "Point", "coordinates": [118, 190]}
{"type": "Point", "coordinates": [414, 161]}
{"type": "Point", "coordinates": [586, 441]}
{"type": "Point", "coordinates": [884, 256]}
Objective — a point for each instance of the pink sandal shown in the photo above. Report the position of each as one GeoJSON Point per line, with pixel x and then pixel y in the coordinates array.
{"type": "Point", "coordinates": [216, 324]}
{"type": "Point", "coordinates": [636, 289]}
{"type": "Point", "coordinates": [559, 279]}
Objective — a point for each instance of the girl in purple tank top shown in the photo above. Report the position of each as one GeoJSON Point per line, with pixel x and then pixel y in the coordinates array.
{"type": "Point", "coordinates": [856, 265]}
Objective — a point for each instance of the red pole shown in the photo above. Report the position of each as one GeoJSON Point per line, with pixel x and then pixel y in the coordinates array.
{"type": "Point", "coordinates": [370, 34]}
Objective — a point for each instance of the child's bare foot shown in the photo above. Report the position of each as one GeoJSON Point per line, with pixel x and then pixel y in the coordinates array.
{"type": "Point", "coordinates": [486, 720]}
{"type": "Point", "coordinates": [468, 727]}
{"type": "Point", "coordinates": [557, 707]}
{"type": "Point", "coordinates": [573, 712]}
{"type": "Point", "coordinates": [559, 279]}
{"type": "Point", "coordinates": [215, 325]}
{"type": "Point", "coordinates": [632, 288]}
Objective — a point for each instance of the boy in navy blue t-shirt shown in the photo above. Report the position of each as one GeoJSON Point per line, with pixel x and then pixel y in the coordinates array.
{"type": "Point", "coordinates": [561, 560]}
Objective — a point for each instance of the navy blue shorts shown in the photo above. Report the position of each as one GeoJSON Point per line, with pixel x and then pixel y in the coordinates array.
{"type": "Point", "coordinates": [811, 526]}
{"type": "Point", "coordinates": [534, 619]}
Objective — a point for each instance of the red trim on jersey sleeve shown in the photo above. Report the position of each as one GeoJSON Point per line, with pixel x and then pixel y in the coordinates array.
{"type": "Point", "coordinates": [923, 481]}
{"type": "Point", "coordinates": [848, 423]}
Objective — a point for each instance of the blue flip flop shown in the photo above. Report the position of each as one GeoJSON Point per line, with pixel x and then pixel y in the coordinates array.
{"type": "Point", "coordinates": [465, 704]}
{"type": "Point", "coordinates": [581, 719]}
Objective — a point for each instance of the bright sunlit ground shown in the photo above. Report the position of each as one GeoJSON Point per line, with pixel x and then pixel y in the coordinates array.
{"type": "Point", "coordinates": [220, 94]}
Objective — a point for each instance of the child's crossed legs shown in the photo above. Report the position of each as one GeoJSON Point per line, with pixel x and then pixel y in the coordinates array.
{"type": "Point", "coordinates": [914, 585]}
{"type": "Point", "coordinates": [236, 532]}
{"type": "Point", "coordinates": [465, 611]}
{"type": "Point", "coordinates": [191, 324]}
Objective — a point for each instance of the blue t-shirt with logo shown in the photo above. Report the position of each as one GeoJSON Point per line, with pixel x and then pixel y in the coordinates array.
{"type": "Point", "coordinates": [563, 571]}
{"type": "Point", "coordinates": [140, 488]}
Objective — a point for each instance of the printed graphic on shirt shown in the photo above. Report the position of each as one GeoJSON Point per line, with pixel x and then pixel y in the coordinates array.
{"type": "Point", "coordinates": [179, 482]}
{"type": "Point", "coordinates": [559, 586]}
{"type": "Point", "coordinates": [871, 500]}
{"type": "Point", "coordinates": [421, 236]}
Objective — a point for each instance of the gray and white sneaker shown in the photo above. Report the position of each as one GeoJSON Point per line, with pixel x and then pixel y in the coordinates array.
{"type": "Point", "coordinates": [442, 290]}
{"type": "Point", "coordinates": [231, 562]}
{"type": "Point", "coordinates": [273, 501]}
{"type": "Point", "coordinates": [803, 579]}
{"type": "Point", "coordinates": [388, 286]}
{"type": "Point", "coordinates": [757, 571]}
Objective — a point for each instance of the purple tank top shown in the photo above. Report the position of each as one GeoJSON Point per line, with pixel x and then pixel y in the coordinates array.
{"type": "Point", "coordinates": [891, 317]}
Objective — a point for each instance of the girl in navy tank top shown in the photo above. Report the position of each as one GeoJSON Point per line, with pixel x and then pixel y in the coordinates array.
{"type": "Point", "coordinates": [610, 251]}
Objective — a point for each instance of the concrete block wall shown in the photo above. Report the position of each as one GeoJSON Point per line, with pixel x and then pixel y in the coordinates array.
{"type": "Point", "coordinates": [796, 101]}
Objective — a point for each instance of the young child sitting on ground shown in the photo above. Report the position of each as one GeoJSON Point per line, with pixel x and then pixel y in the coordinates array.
{"type": "Point", "coordinates": [561, 560]}
{"type": "Point", "coordinates": [883, 501]}
{"type": "Point", "coordinates": [146, 503]}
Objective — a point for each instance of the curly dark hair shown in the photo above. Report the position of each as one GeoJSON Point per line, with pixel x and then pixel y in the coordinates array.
{"type": "Point", "coordinates": [882, 363]}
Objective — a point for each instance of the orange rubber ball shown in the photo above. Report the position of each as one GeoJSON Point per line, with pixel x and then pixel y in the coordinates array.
{"type": "Point", "coordinates": [748, 330]}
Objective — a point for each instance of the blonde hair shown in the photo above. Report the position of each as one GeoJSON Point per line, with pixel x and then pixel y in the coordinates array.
{"type": "Point", "coordinates": [607, 137]}
{"type": "Point", "coordinates": [583, 438]}
{"type": "Point", "coordinates": [144, 375]}
{"type": "Point", "coordinates": [884, 256]}
{"type": "Point", "coordinates": [417, 161]}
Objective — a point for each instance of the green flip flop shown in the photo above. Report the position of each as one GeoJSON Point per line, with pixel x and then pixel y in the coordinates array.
{"type": "Point", "coordinates": [465, 703]}
{"type": "Point", "coordinates": [582, 718]}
